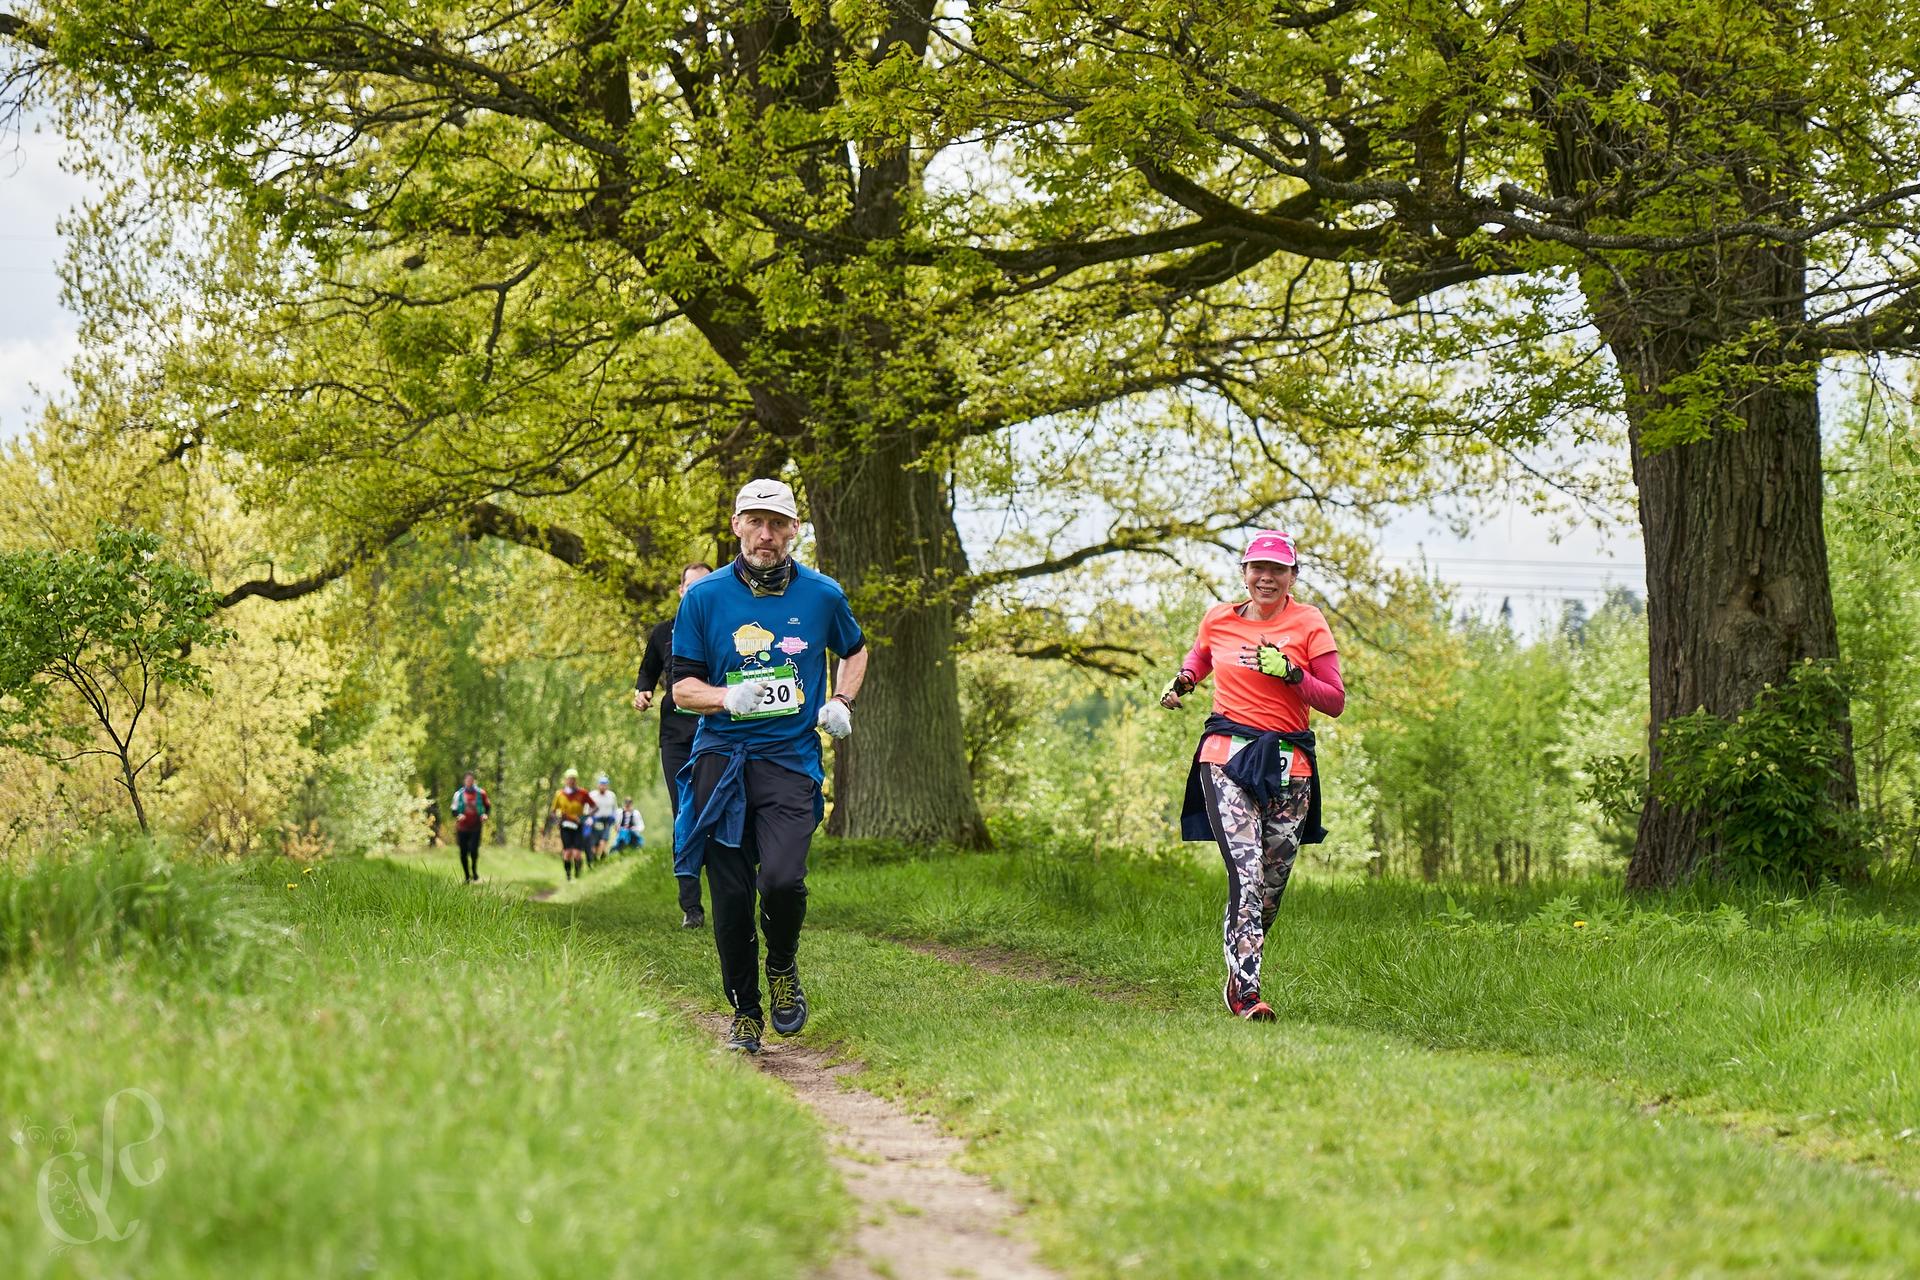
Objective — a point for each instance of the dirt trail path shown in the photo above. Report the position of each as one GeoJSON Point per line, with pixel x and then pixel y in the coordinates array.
{"type": "Point", "coordinates": [920, 1216]}
{"type": "Point", "coordinates": [1030, 968]}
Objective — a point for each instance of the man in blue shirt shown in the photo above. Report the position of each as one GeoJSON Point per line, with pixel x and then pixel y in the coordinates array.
{"type": "Point", "coordinates": [750, 647]}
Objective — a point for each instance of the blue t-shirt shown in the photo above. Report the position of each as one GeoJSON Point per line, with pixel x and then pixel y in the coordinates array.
{"type": "Point", "coordinates": [723, 627]}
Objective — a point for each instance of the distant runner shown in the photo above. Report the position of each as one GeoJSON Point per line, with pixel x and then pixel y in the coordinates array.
{"type": "Point", "coordinates": [604, 812]}
{"type": "Point", "coordinates": [750, 654]}
{"type": "Point", "coordinates": [630, 829]}
{"type": "Point", "coordinates": [470, 810]}
{"type": "Point", "coordinates": [677, 725]}
{"type": "Point", "coordinates": [1253, 788]}
{"type": "Point", "coordinates": [570, 805]}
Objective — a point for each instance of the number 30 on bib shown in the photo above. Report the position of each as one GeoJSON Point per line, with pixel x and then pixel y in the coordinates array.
{"type": "Point", "coordinates": [778, 687]}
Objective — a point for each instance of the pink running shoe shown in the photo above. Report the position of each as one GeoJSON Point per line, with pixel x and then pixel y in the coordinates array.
{"type": "Point", "coordinates": [1246, 1004]}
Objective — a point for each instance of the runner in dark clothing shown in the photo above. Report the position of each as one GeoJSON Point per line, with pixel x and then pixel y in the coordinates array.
{"type": "Point", "coordinates": [676, 727]}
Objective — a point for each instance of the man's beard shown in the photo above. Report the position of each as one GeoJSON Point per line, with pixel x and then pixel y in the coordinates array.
{"type": "Point", "coordinates": [770, 580]}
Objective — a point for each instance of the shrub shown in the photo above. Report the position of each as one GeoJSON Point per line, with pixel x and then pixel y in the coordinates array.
{"type": "Point", "coordinates": [1763, 783]}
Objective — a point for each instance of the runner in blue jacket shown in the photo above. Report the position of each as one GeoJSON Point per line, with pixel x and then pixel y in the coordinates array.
{"type": "Point", "coordinates": [750, 647]}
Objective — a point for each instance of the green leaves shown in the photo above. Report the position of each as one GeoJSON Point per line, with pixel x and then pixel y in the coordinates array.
{"type": "Point", "coordinates": [1762, 781]}
{"type": "Point", "coordinates": [110, 626]}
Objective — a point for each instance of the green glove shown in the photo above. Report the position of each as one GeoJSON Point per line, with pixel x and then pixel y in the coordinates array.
{"type": "Point", "coordinates": [1273, 661]}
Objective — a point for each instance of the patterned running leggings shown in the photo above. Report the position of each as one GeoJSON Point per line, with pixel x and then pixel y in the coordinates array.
{"type": "Point", "coordinates": [1259, 845]}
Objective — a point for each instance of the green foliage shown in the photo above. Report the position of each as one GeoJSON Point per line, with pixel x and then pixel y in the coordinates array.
{"type": "Point", "coordinates": [113, 627]}
{"type": "Point", "coordinates": [1876, 590]}
{"type": "Point", "coordinates": [610, 263]}
{"type": "Point", "coordinates": [1762, 782]}
{"type": "Point", "coordinates": [1488, 769]}
{"type": "Point", "coordinates": [1705, 399]}
{"type": "Point", "coordinates": [1616, 786]}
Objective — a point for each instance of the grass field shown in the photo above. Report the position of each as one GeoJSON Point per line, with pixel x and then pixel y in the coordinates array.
{"type": "Point", "coordinates": [399, 1077]}
{"type": "Point", "coordinates": [384, 1068]}
{"type": "Point", "coordinates": [1800, 1019]}
{"type": "Point", "coordinates": [518, 870]}
{"type": "Point", "coordinates": [1155, 1136]}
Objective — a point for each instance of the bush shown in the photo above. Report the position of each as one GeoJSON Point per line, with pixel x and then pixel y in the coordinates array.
{"type": "Point", "coordinates": [1763, 783]}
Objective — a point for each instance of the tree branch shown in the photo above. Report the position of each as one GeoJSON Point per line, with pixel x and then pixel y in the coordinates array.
{"type": "Point", "coordinates": [1140, 538]}
{"type": "Point", "coordinates": [1288, 233]}
{"type": "Point", "coordinates": [1088, 656]}
{"type": "Point", "coordinates": [482, 519]}
{"type": "Point", "coordinates": [1893, 327]}
{"type": "Point", "coordinates": [15, 27]}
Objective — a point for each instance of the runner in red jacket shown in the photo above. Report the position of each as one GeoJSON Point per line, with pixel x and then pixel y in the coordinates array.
{"type": "Point", "coordinates": [470, 810]}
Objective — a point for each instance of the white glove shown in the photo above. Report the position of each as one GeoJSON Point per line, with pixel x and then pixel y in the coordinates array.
{"type": "Point", "coordinates": [835, 718]}
{"type": "Point", "coordinates": [742, 698]}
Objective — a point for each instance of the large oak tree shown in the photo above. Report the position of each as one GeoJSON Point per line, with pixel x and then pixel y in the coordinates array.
{"type": "Point", "coordinates": [1729, 188]}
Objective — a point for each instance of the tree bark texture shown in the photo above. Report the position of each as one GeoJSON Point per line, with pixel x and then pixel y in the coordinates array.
{"type": "Point", "coordinates": [885, 530]}
{"type": "Point", "coordinates": [1737, 582]}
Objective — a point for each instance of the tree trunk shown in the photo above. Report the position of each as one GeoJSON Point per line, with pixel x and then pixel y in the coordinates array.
{"type": "Point", "coordinates": [885, 530]}
{"type": "Point", "coordinates": [133, 791]}
{"type": "Point", "coordinates": [1737, 585]}
{"type": "Point", "coordinates": [500, 789]}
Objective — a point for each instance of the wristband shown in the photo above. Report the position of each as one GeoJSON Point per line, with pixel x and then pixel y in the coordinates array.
{"type": "Point", "coordinates": [841, 697]}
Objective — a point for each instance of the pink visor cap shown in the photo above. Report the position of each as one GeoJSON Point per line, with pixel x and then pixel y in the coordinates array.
{"type": "Point", "coordinates": [1270, 544]}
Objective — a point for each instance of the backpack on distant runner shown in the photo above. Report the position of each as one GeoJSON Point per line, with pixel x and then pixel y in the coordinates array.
{"type": "Point", "coordinates": [471, 808]}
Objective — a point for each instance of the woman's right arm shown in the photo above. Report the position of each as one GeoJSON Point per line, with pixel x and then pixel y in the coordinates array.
{"type": "Point", "coordinates": [1195, 667]}
{"type": "Point", "coordinates": [1199, 660]}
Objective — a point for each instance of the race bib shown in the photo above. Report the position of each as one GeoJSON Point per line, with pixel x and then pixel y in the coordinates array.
{"type": "Point", "coordinates": [778, 689]}
{"type": "Point", "coordinates": [1284, 754]}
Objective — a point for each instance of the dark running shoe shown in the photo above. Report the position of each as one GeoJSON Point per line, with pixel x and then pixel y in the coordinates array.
{"type": "Point", "coordinates": [693, 920]}
{"type": "Point", "coordinates": [788, 1002]}
{"type": "Point", "coordinates": [745, 1036]}
{"type": "Point", "coordinates": [1242, 1003]}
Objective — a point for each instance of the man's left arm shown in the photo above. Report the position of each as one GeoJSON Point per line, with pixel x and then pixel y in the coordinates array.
{"type": "Point", "coordinates": [846, 639]}
{"type": "Point", "coordinates": [850, 675]}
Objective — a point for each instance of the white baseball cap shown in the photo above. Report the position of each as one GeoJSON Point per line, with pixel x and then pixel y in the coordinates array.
{"type": "Point", "coordinates": [767, 495]}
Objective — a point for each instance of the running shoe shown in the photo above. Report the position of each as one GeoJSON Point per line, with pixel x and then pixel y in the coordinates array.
{"type": "Point", "coordinates": [693, 920]}
{"type": "Point", "coordinates": [1242, 1003]}
{"type": "Point", "coordinates": [788, 1001]}
{"type": "Point", "coordinates": [745, 1035]}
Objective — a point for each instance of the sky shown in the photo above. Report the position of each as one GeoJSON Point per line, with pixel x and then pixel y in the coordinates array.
{"type": "Point", "coordinates": [1512, 553]}
{"type": "Point", "coordinates": [37, 334]}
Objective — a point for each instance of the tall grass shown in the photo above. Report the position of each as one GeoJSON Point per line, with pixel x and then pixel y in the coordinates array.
{"type": "Point", "coordinates": [127, 896]}
{"type": "Point", "coordinates": [1795, 1015]}
{"type": "Point", "coordinates": [1160, 1137]}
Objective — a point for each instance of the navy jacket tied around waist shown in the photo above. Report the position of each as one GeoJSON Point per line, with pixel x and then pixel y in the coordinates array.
{"type": "Point", "coordinates": [1259, 769]}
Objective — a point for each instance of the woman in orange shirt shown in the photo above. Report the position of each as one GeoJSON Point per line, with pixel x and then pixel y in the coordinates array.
{"type": "Point", "coordinates": [1253, 788]}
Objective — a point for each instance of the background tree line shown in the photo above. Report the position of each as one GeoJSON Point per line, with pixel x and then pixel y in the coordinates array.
{"type": "Point", "coordinates": [1470, 749]}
